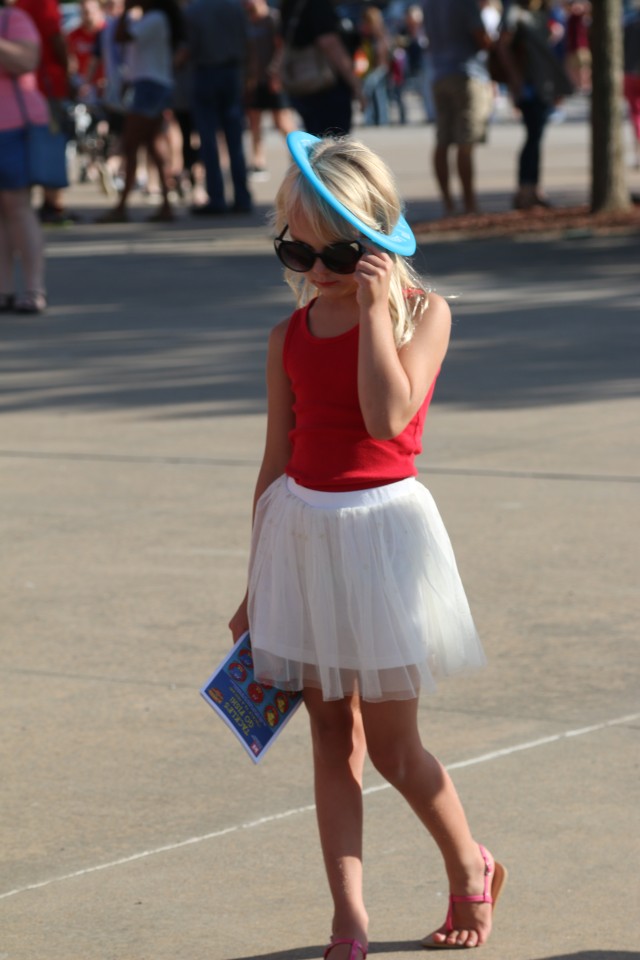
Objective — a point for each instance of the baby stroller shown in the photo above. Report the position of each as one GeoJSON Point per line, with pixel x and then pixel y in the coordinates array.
{"type": "Point", "coordinates": [87, 146]}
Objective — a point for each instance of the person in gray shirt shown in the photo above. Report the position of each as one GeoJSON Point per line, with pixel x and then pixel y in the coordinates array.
{"type": "Point", "coordinates": [217, 43]}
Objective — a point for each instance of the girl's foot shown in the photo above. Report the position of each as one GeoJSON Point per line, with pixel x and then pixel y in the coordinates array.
{"type": "Point", "coordinates": [470, 914]}
{"type": "Point", "coordinates": [31, 302]}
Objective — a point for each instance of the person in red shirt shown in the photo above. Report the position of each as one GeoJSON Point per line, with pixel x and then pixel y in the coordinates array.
{"type": "Point", "coordinates": [53, 81]}
{"type": "Point", "coordinates": [81, 46]}
{"type": "Point", "coordinates": [53, 71]}
{"type": "Point", "coordinates": [578, 57]}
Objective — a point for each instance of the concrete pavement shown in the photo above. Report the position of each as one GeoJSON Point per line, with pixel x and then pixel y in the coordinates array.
{"type": "Point", "coordinates": [131, 428]}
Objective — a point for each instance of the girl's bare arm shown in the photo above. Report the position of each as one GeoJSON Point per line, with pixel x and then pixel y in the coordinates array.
{"type": "Point", "coordinates": [19, 56]}
{"type": "Point", "coordinates": [392, 384]}
{"type": "Point", "coordinates": [280, 418]}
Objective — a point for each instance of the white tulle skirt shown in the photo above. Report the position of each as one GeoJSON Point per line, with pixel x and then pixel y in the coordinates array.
{"type": "Point", "coordinates": [356, 591]}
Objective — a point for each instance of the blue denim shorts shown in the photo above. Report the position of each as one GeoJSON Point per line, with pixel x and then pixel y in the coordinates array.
{"type": "Point", "coordinates": [13, 160]}
{"type": "Point", "coordinates": [149, 98]}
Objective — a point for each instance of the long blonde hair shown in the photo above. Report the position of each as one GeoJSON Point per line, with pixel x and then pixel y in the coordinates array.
{"type": "Point", "coordinates": [364, 184]}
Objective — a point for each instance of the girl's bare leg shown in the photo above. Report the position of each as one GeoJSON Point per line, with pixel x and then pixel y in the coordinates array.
{"type": "Point", "coordinates": [283, 121]}
{"type": "Point", "coordinates": [338, 757]}
{"type": "Point", "coordinates": [21, 235]}
{"type": "Point", "coordinates": [131, 143]}
{"type": "Point", "coordinates": [7, 280]}
{"type": "Point", "coordinates": [395, 748]}
{"type": "Point", "coordinates": [157, 147]}
{"type": "Point", "coordinates": [254, 119]}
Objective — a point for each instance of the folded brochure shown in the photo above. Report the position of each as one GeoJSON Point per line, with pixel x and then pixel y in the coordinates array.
{"type": "Point", "coordinates": [256, 712]}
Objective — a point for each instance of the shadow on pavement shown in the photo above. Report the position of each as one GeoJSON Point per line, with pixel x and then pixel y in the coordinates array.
{"type": "Point", "coordinates": [594, 955]}
{"type": "Point", "coordinates": [411, 946]}
{"type": "Point", "coordinates": [170, 333]}
{"type": "Point", "coordinates": [313, 952]}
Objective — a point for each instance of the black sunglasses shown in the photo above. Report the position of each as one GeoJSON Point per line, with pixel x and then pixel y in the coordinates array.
{"type": "Point", "coordinates": [341, 257]}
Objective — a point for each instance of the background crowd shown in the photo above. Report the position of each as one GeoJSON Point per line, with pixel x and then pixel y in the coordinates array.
{"type": "Point", "coordinates": [158, 94]}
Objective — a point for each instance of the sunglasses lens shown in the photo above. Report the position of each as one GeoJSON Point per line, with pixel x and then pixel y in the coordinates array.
{"type": "Point", "coordinates": [342, 257]}
{"type": "Point", "coordinates": [295, 256]}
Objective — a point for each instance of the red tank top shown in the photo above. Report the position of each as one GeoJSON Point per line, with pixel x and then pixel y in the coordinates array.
{"type": "Point", "coordinates": [331, 449]}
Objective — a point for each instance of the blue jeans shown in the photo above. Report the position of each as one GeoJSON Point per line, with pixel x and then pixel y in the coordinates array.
{"type": "Point", "coordinates": [218, 105]}
{"type": "Point", "coordinates": [374, 88]}
{"type": "Point", "coordinates": [535, 114]}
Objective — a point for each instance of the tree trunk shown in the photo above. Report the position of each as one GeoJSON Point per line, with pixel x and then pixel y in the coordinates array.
{"type": "Point", "coordinates": [608, 176]}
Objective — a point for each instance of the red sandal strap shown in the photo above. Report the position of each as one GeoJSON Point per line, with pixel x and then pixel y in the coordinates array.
{"type": "Point", "coordinates": [484, 897]}
{"type": "Point", "coordinates": [472, 898]}
{"type": "Point", "coordinates": [355, 946]}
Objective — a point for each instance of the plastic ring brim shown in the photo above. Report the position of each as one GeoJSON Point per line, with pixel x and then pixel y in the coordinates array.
{"type": "Point", "coordinates": [401, 240]}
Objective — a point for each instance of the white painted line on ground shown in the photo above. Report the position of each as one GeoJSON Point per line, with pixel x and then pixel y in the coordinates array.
{"type": "Point", "coordinates": [272, 818]}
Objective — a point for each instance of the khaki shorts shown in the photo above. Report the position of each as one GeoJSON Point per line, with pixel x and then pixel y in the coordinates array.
{"type": "Point", "coordinates": [463, 108]}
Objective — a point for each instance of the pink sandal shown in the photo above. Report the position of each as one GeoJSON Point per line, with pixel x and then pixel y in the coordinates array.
{"type": "Point", "coordinates": [355, 946]}
{"type": "Point", "coordinates": [494, 881]}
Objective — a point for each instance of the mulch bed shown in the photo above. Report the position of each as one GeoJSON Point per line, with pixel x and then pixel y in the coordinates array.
{"type": "Point", "coordinates": [557, 221]}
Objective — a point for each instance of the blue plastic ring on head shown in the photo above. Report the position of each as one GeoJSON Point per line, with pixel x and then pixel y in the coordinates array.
{"type": "Point", "coordinates": [401, 240]}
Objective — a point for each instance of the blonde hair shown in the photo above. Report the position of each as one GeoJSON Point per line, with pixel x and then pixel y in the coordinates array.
{"type": "Point", "coordinates": [364, 184]}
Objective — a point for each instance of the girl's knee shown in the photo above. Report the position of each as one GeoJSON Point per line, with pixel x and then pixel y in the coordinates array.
{"type": "Point", "coordinates": [14, 202]}
{"type": "Point", "coordinates": [391, 762]}
{"type": "Point", "coordinates": [336, 730]}
{"type": "Point", "coordinates": [396, 758]}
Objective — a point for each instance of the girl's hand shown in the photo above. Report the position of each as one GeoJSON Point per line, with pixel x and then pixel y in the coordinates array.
{"type": "Point", "coordinates": [239, 622]}
{"type": "Point", "coordinates": [373, 276]}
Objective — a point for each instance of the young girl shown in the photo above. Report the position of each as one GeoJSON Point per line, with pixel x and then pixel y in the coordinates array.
{"type": "Point", "coordinates": [154, 38]}
{"type": "Point", "coordinates": [354, 596]}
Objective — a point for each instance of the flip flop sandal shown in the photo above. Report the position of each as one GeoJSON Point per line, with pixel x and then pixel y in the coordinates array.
{"type": "Point", "coordinates": [353, 953]}
{"type": "Point", "coordinates": [494, 881]}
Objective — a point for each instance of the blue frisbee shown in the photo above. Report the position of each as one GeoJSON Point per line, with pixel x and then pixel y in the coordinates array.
{"type": "Point", "coordinates": [401, 240]}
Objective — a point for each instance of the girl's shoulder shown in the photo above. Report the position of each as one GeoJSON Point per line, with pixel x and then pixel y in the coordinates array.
{"type": "Point", "coordinates": [433, 316]}
{"type": "Point", "coordinates": [281, 331]}
{"type": "Point", "coordinates": [427, 302]}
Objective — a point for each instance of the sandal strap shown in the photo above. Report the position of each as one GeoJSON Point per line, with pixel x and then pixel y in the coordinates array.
{"type": "Point", "coordinates": [473, 898]}
{"type": "Point", "coordinates": [355, 946]}
{"type": "Point", "coordinates": [484, 897]}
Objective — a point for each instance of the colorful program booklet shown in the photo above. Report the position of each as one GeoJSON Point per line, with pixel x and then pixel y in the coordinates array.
{"type": "Point", "coordinates": [256, 712]}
